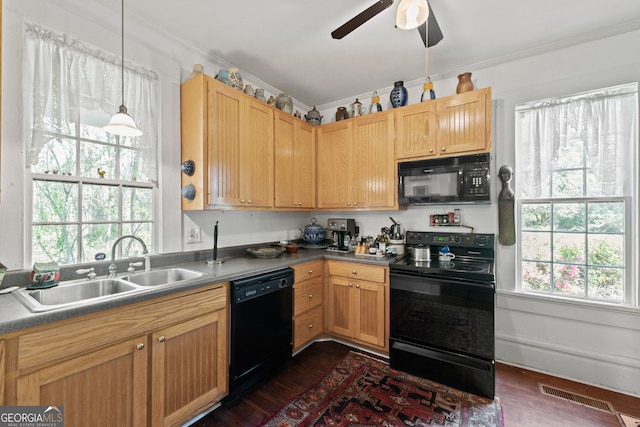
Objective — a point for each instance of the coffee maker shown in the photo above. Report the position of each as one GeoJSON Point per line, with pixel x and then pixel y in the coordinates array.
{"type": "Point", "coordinates": [342, 230]}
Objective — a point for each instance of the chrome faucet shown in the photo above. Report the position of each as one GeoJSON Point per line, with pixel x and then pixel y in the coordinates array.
{"type": "Point", "coordinates": [112, 266]}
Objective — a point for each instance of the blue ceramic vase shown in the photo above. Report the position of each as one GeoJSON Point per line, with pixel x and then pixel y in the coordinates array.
{"type": "Point", "coordinates": [398, 95]}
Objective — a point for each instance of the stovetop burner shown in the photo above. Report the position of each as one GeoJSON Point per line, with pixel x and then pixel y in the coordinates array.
{"type": "Point", "coordinates": [474, 256]}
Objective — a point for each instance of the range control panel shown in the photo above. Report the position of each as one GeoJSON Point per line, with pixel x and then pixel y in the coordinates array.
{"type": "Point", "coordinates": [466, 240]}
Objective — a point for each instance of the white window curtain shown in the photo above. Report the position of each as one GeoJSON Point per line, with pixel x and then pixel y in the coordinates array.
{"type": "Point", "coordinates": [604, 121]}
{"type": "Point", "coordinates": [64, 78]}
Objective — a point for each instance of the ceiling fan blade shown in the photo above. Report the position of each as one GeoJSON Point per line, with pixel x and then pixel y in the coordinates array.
{"type": "Point", "coordinates": [435, 34]}
{"type": "Point", "coordinates": [361, 18]}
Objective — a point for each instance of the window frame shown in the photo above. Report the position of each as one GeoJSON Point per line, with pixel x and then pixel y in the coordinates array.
{"type": "Point", "coordinates": [631, 202]}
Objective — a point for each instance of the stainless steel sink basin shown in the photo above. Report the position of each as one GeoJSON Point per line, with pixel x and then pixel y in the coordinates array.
{"type": "Point", "coordinates": [73, 293]}
{"type": "Point", "coordinates": [162, 277]}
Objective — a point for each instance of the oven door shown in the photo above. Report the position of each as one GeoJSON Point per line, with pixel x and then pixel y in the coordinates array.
{"type": "Point", "coordinates": [446, 314]}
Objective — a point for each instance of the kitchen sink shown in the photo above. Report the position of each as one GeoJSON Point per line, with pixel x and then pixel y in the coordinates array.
{"type": "Point", "coordinates": [162, 277]}
{"type": "Point", "coordinates": [73, 293]}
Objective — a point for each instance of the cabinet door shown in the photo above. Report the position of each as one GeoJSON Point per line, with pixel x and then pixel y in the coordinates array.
{"type": "Point", "coordinates": [341, 304]}
{"type": "Point", "coordinates": [108, 385]}
{"type": "Point", "coordinates": [284, 160]}
{"type": "Point", "coordinates": [416, 129]}
{"type": "Point", "coordinates": [334, 164]}
{"type": "Point", "coordinates": [256, 154]}
{"type": "Point", "coordinates": [189, 368]}
{"type": "Point", "coordinates": [304, 165]}
{"type": "Point", "coordinates": [369, 310]}
{"type": "Point", "coordinates": [373, 174]}
{"type": "Point", "coordinates": [224, 146]}
{"type": "Point", "coordinates": [464, 123]}
{"type": "Point", "coordinates": [295, 163]}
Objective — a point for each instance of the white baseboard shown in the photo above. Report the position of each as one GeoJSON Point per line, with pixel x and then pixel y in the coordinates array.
{"type": "Point", "coordinates": [616, 373]}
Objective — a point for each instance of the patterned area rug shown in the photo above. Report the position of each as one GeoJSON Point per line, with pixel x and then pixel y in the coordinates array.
{"type": "Point", "coordinates": [363, 391]}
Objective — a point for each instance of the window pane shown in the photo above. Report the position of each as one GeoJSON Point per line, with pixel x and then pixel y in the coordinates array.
{"type": "Point", "coordinates": [569, 247]}
{"type": "Point", "coordinates": [55, 201]}
{"type": "Point", "coordinates": [606, 283]}
{"type": "Point", "coordinates": [569, 279]}
{"type": "Point", "coordinates": [606, 249]}
{"type": "Point", "coordinates": [133, 165]}
{"type": "Point", "coordinates": [95, 156]}
{"type": "Point", "coordinates": [57, 156]}
{"type": "Point", "coordinates": [137, 204]}
{"type": "Point", "coordinates": [536, 217]}
{"type": "Point", "coordinates": [606, 217]}
{"type": "Point", "coordinates": [536, 276]}
{"type": "Point", "coordinates": [98, 238]}
{"type": "Point", "coordinates": [568, 183]}
{"type": "Point", "coordinates": [569, 216]}
{"type": "Point", "coordinates": [536, 246]}
{"type": "Point", "coordinates": [131, 247]}
{"type": "Point", "coordinates": [54, 243]}
{"type": "Point", "coordinates": [91, 122]}
{"type": "Point", "coordinates": [100, 203]}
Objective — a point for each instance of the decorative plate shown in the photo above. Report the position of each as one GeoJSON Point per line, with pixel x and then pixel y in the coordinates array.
{"type": "Point", "coordinates": [266, 252]}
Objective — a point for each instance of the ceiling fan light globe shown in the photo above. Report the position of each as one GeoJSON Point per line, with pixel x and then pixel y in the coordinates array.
{"type": "Point", "coordinates": [411, 14]}
{"type": "Point", "coordinates": [122, 124]}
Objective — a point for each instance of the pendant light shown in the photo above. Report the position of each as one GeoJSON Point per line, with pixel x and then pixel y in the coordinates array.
{"type": "Point", "coordinates": [121, 123]}
{"type": "Point", "coordinates": [411, 14]}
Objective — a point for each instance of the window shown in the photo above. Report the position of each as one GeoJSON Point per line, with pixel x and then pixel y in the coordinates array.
{"type": "Point", "coordinates": [575, 166]}
{"type": "Point", "coordinates": [89, 187]}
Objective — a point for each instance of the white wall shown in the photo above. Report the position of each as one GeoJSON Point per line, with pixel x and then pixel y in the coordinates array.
{"type": "Point", "coordinates": [594, 344]}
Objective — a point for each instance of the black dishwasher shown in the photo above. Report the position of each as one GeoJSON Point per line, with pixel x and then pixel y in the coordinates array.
{"type": "Point", "coordinates": [261, 328]}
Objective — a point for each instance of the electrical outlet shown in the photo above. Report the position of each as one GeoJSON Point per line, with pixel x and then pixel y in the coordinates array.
{"type": "Point", "coordinates": [193, 235]}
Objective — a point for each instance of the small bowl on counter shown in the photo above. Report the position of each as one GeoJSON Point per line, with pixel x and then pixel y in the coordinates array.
{"type": "Point", "coordinates": [292, 248]}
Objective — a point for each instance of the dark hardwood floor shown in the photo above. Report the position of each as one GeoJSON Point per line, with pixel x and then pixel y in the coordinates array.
{"type": "Point", "coordinates": [518, 390]}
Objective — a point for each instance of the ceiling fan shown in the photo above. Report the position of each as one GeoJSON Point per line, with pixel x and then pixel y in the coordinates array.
{"type": "Point", "coordinates": [435, 34]}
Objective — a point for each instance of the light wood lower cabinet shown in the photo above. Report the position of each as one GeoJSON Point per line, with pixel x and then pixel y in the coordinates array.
{"type": "Point", "coordinates": [358, 296]}
{"type": "Point", "coordinates": [154, 363]}
{"type": "Point", "coordinates": [308, 298]}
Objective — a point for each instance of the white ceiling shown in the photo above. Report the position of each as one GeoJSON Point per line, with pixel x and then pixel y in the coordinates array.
{"type": "Point", "coordinates": [287, 43]}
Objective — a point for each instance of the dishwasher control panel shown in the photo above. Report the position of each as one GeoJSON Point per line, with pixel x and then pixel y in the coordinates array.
{"type": "Point", "coordinates": [255, 286]}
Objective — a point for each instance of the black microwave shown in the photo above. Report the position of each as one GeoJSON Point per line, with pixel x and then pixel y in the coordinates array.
{"type": "Point", "coordinates": [453, 180]}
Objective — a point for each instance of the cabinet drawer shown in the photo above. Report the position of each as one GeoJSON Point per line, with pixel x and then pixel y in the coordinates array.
{"type": "Point", "coordinates": [308, 270]}
{"type": "Point", "coordinates": [371, 273]}
{"type": "Point", "coordinates": [84, 334]}
{"type": "Point", "coordinates": [307, 294]}
{"type": "Point", "coordinates": [307, 326]}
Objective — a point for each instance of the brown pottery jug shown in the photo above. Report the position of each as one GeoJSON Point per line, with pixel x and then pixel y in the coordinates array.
{"type": "Point", "coordinates": [464, 83]}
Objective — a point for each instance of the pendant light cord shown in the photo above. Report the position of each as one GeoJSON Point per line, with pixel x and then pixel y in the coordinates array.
{"type": "Point", "coordinates": [122, 60]}
{"type": "Point", "coordinates": [426, 44]}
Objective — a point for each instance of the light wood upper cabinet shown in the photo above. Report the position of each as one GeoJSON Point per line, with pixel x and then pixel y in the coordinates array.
{"type": "Point", "coordinates": [355, 163]}
{"type": "Point", "coordinates": [295, 162]}
{"type": "Point", "coordinates": [229, 136]}
{"type": "Point", "coordinates": [454, 125]}
{"type": "Point", "coordinates": [334, 145]}
{"type": "Point", "coordinates": [416, 129]}
{"type": "Point", "coordinates": [464, 123]}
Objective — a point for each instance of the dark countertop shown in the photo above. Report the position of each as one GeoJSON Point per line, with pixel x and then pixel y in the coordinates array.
{"type": "Point", "coordinates": [237, 264]}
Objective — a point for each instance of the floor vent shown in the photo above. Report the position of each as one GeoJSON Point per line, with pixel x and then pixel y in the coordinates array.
{"type": "Point", "coordinates": [580, 399]}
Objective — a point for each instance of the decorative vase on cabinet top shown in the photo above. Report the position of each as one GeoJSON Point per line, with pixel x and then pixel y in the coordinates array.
{"type": "Point", "coordinates": [260, 95]}
{"type": "Point", "coordinates": [235, 79]}
{"type": "Point", "coordinates": [342, 114]}
{"type": "Point", "coordinates": [427, 91]}
{"type": "Point", "coordinates": [313, 117]}
{"type": "Point", "coordinates": [398, 95]}
{"type": "Point", "coordinates": [356, 108]}
{"type": "Point", "coordinates": [284, 103]}
{"type": "Point", "coordinates": [464, 83]}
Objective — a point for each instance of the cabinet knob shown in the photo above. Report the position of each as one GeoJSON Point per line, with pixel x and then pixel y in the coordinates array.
{"type": "Point", "coordinates": [443, 149]}
{"type": "Point", "coordinates": [350, 285]}
{"type": "Point", "coordinates": [310, 296]}
{"type": "Point", "coordinates": [310, 326]}
{"type": "Point", "coordinates": [310, 271]}
{"type": "Point", "coordinates": [140, 346]}
{"type": "Point", "coordinates": [355, 203]}
{"type": "Point", "coordinates": [348, 203]}
{"type": "Point", "coordinates": [242, 201]}
{"type": "Point", "coordinates": [431, 150]}
{"type": "Point", "coordinates": [357, 286]}
{"type": "Point", "coordinates": [354, 272]}
{"type": "Point", "coordinates": [161, 338]}
{"type": "Point", "coordinates": [249, 201]}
